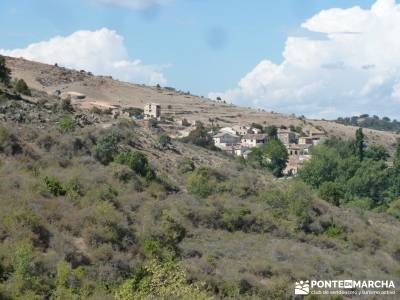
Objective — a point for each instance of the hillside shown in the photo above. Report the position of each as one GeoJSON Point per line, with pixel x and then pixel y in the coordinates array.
{"type": "Point", "coordinates": [94, 207]}
{"type": "Point", "coordinates": [106, 91]}
{"type": "Point", "coordinates": [372, 122]}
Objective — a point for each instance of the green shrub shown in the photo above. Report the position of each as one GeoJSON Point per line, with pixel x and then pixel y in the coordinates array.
{"type": "Point", "coordinates": [185, 165]}
{"type": "Point", "coordinates": [67, 124]}
{"type": "Point", "coordinates": [54, 186]}
{"type": "Point", "coordinates": [152, 123]}
{"type": "Point", "coordinates": [273, 156]}
{"type": "Point", "coordinates": [200, 137]}
{"type": "Point", "coordinates": [22, 88]}
{"type": "Point", "coordinates": [203, 182]}
{"type": "Point", "coordinates": [157, 280]}
{"type": "Point", "coordinates": [152, 248]}
{"type": "Point", "coordinates": [331, 192]}
{"type": "Point", "coordinates": [394, 209]}
{"type": "Point", "coordinates": [164, 141]}
{"type": "Point", "coordinates": [66, 105]}
{"type": "Point", "coordinates": [137, 161]}
{"type": "Point", "coordinates": [9, 143]}
{"type": "Point", "coordinates": [333, 231]}
{"type": "Point", "coordinates": [360, 203]}
{"type": "Point", "coordinates": [107, 148]}
{"type": "Point", "coordinates": [123, 173]}
{"type": "Point", "coordinates": [74, 189]}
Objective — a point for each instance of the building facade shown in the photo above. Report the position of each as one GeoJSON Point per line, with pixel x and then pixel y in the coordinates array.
{"type": "Point", "coordinates": [152, 111]}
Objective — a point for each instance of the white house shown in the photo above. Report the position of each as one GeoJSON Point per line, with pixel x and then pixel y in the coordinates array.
{"type": "Point", "coordinates": [256, 130]}
{"type": "Point", "coordinates": [254, 140]}
{"type": "Point", "coordinates": [229, 130]}
{"type": "Point", "coordinates": [240, 150]}
{"type": "Point", "coordinates": [224, 140]}
{"type": "Point", "coordinates": [241, 129]}
{"type": "Point", "coordinates": [152, 111]}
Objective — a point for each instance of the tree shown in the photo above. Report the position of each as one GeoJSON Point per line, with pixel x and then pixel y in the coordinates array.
{"type": "Point", "coordinates": [107, 148]}
{"type": "Point", "coordinates": [22, 88]}
{"type": "Point", "coordinates": [5, 73]}
{"type": "Point", "coordinates": [272, 131]}
{"type": "Point", "coordinates": [331, 192]}
{"type": "Point", "coordinates": [371, 181]}
{"type": "Point", "coordinates": [203, 182]}
{"type": "Point", "coordinates": [200, 137]}
{"type": "Point", "coordinates": [359, 144]}
{"type": "Point", "coordinates": [257, 126]}
{"type": "Point", "coordinates": [396, 160]}
{"type": "Point", "coordinates": [376, 152]}
{"type": "Point", "coordinates": [137, 161]}
{"type": "Point", "coordinates": [272, 156]}
{"type": "Point", "coordinates": [322, 167]}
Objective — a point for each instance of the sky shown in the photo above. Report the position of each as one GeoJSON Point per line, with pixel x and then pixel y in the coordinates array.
{"type": "Point", "coordinates": [318, 58]}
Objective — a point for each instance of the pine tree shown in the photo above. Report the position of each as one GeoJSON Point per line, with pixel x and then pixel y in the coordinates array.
{"type": "Point", "coordinates": [359, 145]}
{"type": "Point", "coordinates": [396, 159]}
{"type": "Point", "coordinates": [4, 71]}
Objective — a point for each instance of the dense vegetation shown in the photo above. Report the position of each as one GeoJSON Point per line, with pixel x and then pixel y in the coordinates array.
{"type": "Point", "coordinates": [272, 156]}
{"type": "Point", "coordinates": [124, 212]}
{"type": "Point", "coordinates": [349, 173]}
{"type": "Point", "coordinates": [372, 122]}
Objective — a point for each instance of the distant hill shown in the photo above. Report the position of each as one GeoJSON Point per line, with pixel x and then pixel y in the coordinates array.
{"type": "Point", "coordinates": [372, 122]}
{"type": "Point", "coordinates": [104, 90]}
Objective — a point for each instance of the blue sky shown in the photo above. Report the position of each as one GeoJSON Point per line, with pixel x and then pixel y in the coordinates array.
{"type": "Point", "coordinates": [202, 46]}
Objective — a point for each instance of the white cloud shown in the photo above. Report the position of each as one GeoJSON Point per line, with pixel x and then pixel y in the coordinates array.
{"type": "Point", "coordinates": [356, 67]}
{"type": "Point", "coordinates": [102, 52]}
{"type": "Point", "coordinates": [134, 4]}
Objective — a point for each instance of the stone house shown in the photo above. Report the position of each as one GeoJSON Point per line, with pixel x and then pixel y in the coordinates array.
{"type": "Point", "coordinates": [286, 136]}
{"type": "Point", "coordinates": [306, 140]}
{"type": "Point", "coordinates": [224, 140]}
{"type": "Point", "coordinates": [254, 140]}
{"type": "Point", "coordinates": [237, 130]}
{"type": "Point", "coordinates": [152, 111]}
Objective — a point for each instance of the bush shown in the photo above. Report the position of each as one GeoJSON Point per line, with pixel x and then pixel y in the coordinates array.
{"type": "Point", "coordinates": [394, 209]}
{"type": "Point", "coordinates": [203, 182]}
{"type": "Point", "coordinates": [67, 124]}
{"type": "Point", "coordinates": [200, 137]}
{"type": "Point", "coordinates": [22, 88]}
{"type": "Point", "coordinates": [152, 123]}
{"type": "Point", "coordinates": [157, 280]}
{"type": "Point", "coordinates": [273, 156]}
{"type": "Point", "coordinates": [107, 148]}
{"type": "Point", "coordinates": [9, 143]}
{"type": "Point", "coordinates": [186, 165]}
{"type": "Point", "coordinates": [331, 192]}
{"type": "Point", "coordinates": [137, 161]}
{"type": "Point", "coordinates": [164, 141]}
{"type": "Point", "coordinates": [66, 105]}
{"type": "Point", "coordinates": [54, 186]}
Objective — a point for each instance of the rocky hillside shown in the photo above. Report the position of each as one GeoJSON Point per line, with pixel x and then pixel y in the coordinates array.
{"type": "Point", "coordinates": [106, 91]}
{"type": "Point", "coordinates": [94, 207]}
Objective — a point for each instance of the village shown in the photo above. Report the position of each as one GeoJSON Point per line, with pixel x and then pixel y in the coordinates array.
{"type": "Point", "coordinates": [239, 140]}
{"type": "Point", "coordinates": [236, 140]}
